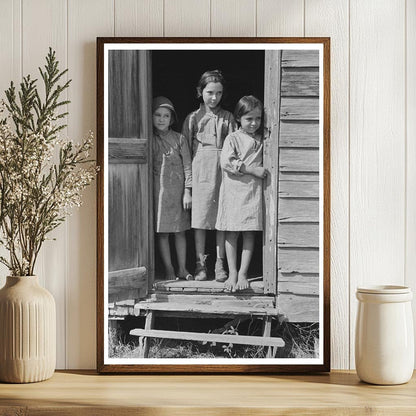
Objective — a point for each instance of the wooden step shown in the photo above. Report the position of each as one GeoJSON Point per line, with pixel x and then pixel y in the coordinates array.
{"type": "Point", "coordinates": [203, 337]}
{"type": "Point", "coordinates": [199, 304]}
{"type": "Point", "coordinates": [216, 299]}
{"type": "Point", "coordinates": [231, 308]}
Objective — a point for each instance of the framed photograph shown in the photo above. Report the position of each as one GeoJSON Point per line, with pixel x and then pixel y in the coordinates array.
{"type": "Point", "coordinates": [213, 205]}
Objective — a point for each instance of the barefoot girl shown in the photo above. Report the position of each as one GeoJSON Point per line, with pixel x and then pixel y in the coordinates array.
{"type": "Point", "coordinates": [205, 130]}
{"type": "Point", "coordinates": [240, 206]}
{"type": "Point", "coordinates": [172, 186]}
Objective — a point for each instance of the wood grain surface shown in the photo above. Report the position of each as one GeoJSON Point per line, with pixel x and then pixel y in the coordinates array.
{"type": "Point", "coordinates": [377, 141]}
{"type": "Point", "coordinates": [52, 260]}
{"type": "Point", "coordinates": [331, 18]}
{"type": "Point", "coordinates": [85, 393]}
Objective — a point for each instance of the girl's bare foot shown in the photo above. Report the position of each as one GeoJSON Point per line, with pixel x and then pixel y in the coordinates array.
{"type": "Point", "coordinates": [183, 274]}
{"type": "Point", "coordinates": [231, 281]}
{"type": "Point", "coordinates": [170, 274]}
{"type": "Point", "coordinates": [242, 282]}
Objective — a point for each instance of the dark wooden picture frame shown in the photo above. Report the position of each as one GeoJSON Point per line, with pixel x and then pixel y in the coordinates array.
{"type": "Point", "coordinates": [296, 87]}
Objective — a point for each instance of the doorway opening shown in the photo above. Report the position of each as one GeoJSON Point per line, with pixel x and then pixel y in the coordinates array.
{"type": "Point", "coordinates": [175, 75]}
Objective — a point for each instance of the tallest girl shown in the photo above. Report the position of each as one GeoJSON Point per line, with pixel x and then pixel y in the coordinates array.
{"type": "Point", "coordinates": [205, 130]}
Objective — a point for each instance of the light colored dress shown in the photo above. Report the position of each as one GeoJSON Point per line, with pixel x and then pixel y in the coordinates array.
{"type": "Point", "coordinates": [205, 132]}
{"type": "Point", "coordinates": [241, 195]}
{"type": "Point", "coordinates": [172, 173]}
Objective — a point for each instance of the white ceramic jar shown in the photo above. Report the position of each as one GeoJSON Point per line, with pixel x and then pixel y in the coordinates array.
{"type": "Point", "coordinates": [384, 337]}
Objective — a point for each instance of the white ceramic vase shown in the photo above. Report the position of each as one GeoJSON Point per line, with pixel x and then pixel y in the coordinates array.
{"type": "Point", "coordinates": [27, 331]}
{"type": "Point", "coordinates": [384, 338]}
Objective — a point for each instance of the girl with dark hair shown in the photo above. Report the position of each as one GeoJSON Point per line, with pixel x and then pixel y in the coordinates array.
{"type": "Point", "coordinates": [240, 203]}
{"type": "Point", "coordinates": [205, 130]}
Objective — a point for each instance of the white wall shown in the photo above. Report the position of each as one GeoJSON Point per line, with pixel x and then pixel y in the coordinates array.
{"type": "Point", "coordinates": [373, 132]}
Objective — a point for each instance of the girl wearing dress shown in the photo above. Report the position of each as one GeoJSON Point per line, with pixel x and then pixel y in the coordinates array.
{"type": "Point", "coordinates": [205, 130]}
{"type": "Point", "coordinates": [172, 182]}
{"type": "Point", "coordinates": [240, 206]}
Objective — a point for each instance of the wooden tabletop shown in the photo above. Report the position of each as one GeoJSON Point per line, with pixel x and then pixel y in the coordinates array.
{"type": "Point", "coordinates": [86, 393]}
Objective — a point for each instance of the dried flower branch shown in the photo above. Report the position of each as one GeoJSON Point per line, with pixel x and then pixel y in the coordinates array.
{"type": "Point", "coordinates": [36, 193]}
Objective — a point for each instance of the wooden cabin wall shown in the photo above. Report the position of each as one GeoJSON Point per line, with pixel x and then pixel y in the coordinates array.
{"type": "Point", "coordinates": [298, 187]}
{"type": "Point", "coordinates": [373, 151]}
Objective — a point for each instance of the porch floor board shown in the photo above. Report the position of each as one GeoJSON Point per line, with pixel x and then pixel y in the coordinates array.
{"type": "Point", "coordinates": [207, 286]}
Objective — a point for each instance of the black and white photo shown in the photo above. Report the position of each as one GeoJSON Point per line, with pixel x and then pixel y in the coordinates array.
{"type": "Point", "coordinates": [213, 213]}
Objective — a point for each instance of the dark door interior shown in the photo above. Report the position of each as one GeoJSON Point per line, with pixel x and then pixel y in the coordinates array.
{"type": "Point", "coordinates": [175, 75]}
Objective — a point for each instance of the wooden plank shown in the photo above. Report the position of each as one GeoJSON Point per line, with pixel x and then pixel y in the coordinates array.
{"type": "Point", "coordinates": [134, 277]}
{"type": "Point", "coordinates": [10, 67]}
{"type": "Point", "coordinates": [198, 336]}
{"type": "Point", "coordinates": [298, 260]}
{"type": "Point", "coordinates": [267, 329]}
{"type": "Point", "coordinates": [299, 108]}
{"type": "Point", "coordinates": [301, 82]}
{"type": "Point", "coordinates": [146, 243]}
{"type": "Point", "coordinates": [44, 25]}
{"type": "Point", "coordinates": [411, 152]}
{"type": "Point", "coordinates": [214, 299]}
{"type": "Point", "coordinates": [302, 189]}
{"type": "Point", "coordinates": [127, 150]}
{"type": "Point", "coordinates": [119, 311]}
{"type": "Point", "coordinates": [298, 176]}
{"type": "Point", "coordinates": [187, 18]}
{"type": "Point", "coordinates": [377, 140]}
{"type": "Point", "coordinates": [127, 302]}
{"type": "Point", "coordinates": [218, 301]}
{"type": "Point", "coordinates": [138, 17]}
{"type": "Point", "coordinates": [144, 344]}
{"type": "Point", "coordinates": [119, 294]}
{"type": "Point", "coordinates": [279, 18]}
{"type": "Point", "coordinates": [197, 315]}
{"type": "Point", "coordinates": [204, 286]}
{"type": "Point", "coordinates": [123, 94]}
{"type": "Point", "coordinates": [300, 58]}
{"type": "Point", "coordinates": [271, 163]}
{"type": "Point", "coordinates": [10, 44]}
{"type": "Point", "coordinates": [299, 283]}
{"type": "Point", "coordinates": [298, 210]}
{"type": "Point", "coordinates": [233, 18]}
{"type": "Point", "coordinates": [299, 134]}
{"type": "Point", "coordinates": [298, 235]}
{"type": "Point", "coordinates": [299, 160]}
{"type": "Point", "coordinates": [331, 18]}
{"type": "Point", "coordinates": [299, 308]}
{"type": "Point", "coordinates": [125, 206]}
{"type": "Point", "coordinates": [211, 309]}
{"type": "Point", "coordinates": [86, 19]}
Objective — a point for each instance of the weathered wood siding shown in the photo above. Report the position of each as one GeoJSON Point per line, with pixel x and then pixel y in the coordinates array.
{"type": "Point", "coordinates": [298, 199]}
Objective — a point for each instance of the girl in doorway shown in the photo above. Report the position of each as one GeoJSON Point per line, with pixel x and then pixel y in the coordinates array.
{"type": "Point", "coordinates": [172, 182]}
{"type": "Point", "coordinates": [205, 129]}
{"type": "Point", "coordinates": [240, 206]}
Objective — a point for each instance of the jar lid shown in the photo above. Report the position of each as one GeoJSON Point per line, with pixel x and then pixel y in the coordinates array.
{"type": "Point", "coordinates": [384, 289]}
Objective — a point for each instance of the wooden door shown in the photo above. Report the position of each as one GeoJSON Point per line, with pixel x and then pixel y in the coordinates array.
{"type": "Point", "coordinates": [130, 234]}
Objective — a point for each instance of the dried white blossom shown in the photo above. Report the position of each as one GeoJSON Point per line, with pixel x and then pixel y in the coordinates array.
{"type": "Point", "coordinates": [42, 176]}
